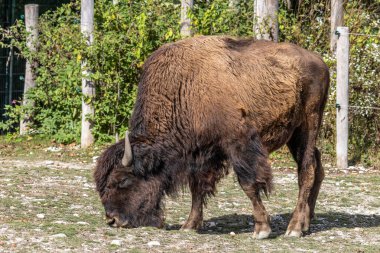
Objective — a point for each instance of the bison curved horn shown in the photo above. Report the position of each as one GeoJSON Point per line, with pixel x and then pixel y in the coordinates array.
{"type": "Point", "coordinates": [127, 158]}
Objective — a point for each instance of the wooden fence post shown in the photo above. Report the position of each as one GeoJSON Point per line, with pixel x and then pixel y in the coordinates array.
{"type": "Point", "coordinates": [185, 20]}
{"type": "Point", "coordinates": [336, 20]}
{"type": "Point", "coordinates": [88, 89]}
{"type": "Point", "coordinates": [342, 54]}
{"type": "Point", "coordinates": [31, 24]}
{"type": "Point", "coordinates": [265, 25]}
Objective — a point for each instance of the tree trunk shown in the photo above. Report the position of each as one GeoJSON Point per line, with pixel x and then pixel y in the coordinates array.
{"type": "Point", "coordinates": [31, 23]}
{"type": "Point", "coordinates": [336, 20]}
{"type": "Point", "coordinates": [266, 23]}
{"type": "Point", "coordinates": [185, 20]}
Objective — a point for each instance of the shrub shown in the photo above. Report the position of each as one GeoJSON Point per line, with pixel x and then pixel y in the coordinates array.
{"type": "Point", "coordinates": [126, 33]}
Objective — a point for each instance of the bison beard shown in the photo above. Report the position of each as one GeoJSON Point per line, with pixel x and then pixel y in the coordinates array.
{"type": "Point", "coordinates": [209, 103]}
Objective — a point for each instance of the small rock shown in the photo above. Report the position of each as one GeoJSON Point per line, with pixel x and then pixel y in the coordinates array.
{"type": "Point", "coordinates": [95, 158]}
{"type": "Point", "coordinates": [61, 235]}
{"type": "Point", "coordinates": [53, 149]}
{"type": "Point", "coordinates": [153, 243]}
{"type": "Point", "coordinates": [83, 223]}
{"type": "Point", "coordinates": [232, 234]}
{"type": "Point", "coordinates": [211, 224]}
{"type": "Point", "coordinates": [116, 242]}
{"type": "Point", "coordinates": [60, 222]}
{"type": "Point", "coordinates": [40, 216]}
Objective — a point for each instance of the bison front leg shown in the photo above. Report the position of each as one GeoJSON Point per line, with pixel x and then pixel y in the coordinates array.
{"type": "Point", "coordinates": [250, 162]}
{"type": "Point", "coordinates": [262, 228]}
{"type": "Point", "coordinates": [195, 220]}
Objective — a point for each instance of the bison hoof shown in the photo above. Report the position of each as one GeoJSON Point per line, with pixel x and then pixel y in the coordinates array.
{"type": "Point", "coordinates": [261, 235]}
{"type": "Point", "coordinates": [293, 233]}
{"type": "Point", "coordinates": [192, 226]}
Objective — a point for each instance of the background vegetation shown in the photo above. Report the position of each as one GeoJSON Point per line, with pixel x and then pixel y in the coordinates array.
{"type": "Point", "coordinates": [126, 33]}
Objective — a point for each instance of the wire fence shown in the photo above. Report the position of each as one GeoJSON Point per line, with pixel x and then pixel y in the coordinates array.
{"type": "Point", "coordinates": [374, 108]}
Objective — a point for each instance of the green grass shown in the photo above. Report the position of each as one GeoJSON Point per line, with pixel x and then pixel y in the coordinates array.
{"type": "Point", "coordinates": [30, 148]}
{"type": "Point", "coordinates": [348, 212]}
{"type": "Point", "coordinates": [64, 205]}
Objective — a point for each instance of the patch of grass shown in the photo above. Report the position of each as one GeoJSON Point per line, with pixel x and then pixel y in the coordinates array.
{"type": "Point", "coordinates": [35, 147]}
{"type": "Point", "coordinates": [61, 196]}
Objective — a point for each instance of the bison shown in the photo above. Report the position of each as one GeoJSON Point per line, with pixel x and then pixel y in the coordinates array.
{"type": "Point", "coordinates": [205, 105]}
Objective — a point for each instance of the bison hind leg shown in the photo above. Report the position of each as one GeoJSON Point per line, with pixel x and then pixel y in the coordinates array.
{"type": "Point", "coordinates": [310, 174]}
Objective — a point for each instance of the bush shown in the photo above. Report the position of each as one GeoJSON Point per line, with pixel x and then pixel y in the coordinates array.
{"type": "Point", "coordinates": [126, 33]}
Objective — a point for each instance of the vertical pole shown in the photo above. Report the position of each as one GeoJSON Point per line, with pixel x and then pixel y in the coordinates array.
{"type": "Point", "coordinates": [185, 19]}
{"type": "Point", "coordinates": [336, 20]}
{"type": "Point", "coordinates": [115, 2]}
{"type": "Point", "coordinates": [342, 54]}
{"type": "Point", "coordinates": [10, 82]}
{"type": "Point", "coordinates": [31, 23]}
{"type": "Point", "coordinates": [265, 25]}
{"type": "Point", "coordinates": [88, 89]}
{"type": "Point", "coordinates": [11, 55]}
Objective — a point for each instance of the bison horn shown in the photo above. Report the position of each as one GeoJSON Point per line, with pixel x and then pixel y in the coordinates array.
{"type": "Point", "coordinates": [127, 158]}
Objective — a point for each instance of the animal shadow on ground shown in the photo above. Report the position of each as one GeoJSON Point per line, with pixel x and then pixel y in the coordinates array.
{"type": "Point", "coordinates": [324, 221]}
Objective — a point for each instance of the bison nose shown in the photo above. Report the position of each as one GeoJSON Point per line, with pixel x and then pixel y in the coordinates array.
{"type": "Point", "coordinates": [111, 218]}
{"type": "Point", "coordinates": [114, 220]}
{"type": "Point", "coordinates": [111, 221]}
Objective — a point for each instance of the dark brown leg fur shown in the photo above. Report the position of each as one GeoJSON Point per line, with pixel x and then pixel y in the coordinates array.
{"type": "Point", "coordinates": [201, 186]}
{"type": "Point", "coordinates": [249, 160]}
{"type": "Point", "coordinates": [310, 175]}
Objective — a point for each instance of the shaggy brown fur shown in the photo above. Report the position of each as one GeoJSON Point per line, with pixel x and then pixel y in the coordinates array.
{"type": "Point", "coordinates": [207, 102]}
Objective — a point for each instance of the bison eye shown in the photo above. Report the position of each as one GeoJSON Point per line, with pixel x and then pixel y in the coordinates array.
{"type": "Point", "coordinates": [125, 183]}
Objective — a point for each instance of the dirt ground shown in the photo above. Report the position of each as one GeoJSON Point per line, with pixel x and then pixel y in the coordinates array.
{"type": "Point", "coordinates": [51, 206]}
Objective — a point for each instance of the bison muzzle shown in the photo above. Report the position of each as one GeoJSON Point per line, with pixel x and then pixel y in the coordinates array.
{"type": "Point", "coordinates": [207, 104]}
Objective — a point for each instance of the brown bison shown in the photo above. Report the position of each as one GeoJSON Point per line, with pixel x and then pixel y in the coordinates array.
{"type": "Point", "coordinates": [205, 104]}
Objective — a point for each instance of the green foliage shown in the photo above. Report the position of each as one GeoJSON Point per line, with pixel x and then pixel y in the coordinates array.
{"type": "Point", "coordinates": [223, 17]}
{"type": "Point", "coordinates": [364, 84]}
{"type": "Point", "coordinates": [309, 27]}
{"type": "Point", "coordinates": [126, 33]}
{"type": "Point", "coordinates": [12, 113]}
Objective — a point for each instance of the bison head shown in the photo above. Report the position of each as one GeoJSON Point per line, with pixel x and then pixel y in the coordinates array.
{"type": "Point", "coordinates": [129, 200]}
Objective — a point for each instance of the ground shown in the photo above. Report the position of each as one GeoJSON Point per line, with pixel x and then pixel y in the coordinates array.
{"type": "Point", "coordinates": [48, 204]}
